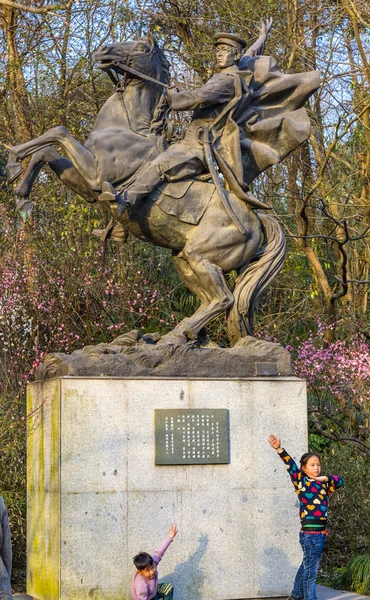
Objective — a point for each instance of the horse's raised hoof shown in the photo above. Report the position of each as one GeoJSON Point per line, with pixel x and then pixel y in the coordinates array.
{"type": "Point", "coordinates": [24, 207]}
{"type": "Point", "coordinates": [13, 171]}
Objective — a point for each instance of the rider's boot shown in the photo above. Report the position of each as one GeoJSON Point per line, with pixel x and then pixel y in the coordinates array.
{"type": "Point", "coordinates": [138, 190]}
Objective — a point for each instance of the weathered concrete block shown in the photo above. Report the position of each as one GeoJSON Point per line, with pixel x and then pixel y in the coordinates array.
{"type": "Point", "coordinates": [96, 498]}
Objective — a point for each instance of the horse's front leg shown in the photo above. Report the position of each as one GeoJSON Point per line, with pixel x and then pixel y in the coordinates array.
{"type": "Point", "coordinates": [84, 161]}
{"type": "Point", "coordinates": [61, 166]}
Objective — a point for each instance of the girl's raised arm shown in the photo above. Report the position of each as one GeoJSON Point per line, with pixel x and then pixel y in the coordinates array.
{"type": "Point", "coordinates": [290, 464]}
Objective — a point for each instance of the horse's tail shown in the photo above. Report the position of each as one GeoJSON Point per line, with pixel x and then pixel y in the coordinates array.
{"type": "Point", "coordinates": [254, 277]}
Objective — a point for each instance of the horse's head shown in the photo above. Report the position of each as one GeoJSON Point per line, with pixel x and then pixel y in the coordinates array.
{"type": "Point", "coordinates": [141, 56]}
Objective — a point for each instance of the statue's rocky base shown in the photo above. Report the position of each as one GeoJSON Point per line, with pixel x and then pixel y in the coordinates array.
{"type": "Point", "coordinates": [136, 355]}
{"type": "Point", "coordinates": [96, 498]}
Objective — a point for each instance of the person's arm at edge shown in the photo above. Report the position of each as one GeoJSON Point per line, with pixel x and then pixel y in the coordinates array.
{"type": "Point", "coordinates": [6, 550]}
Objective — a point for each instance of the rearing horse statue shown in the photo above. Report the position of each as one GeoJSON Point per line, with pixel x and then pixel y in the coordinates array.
{"type": "Point", "coordinates": [189, 216]}
{"type": "Point", "coordinates": [121, 139]}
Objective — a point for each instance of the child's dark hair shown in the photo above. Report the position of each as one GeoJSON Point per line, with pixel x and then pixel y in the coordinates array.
{"type": "Point", "coordinates": [306, 457]}
{"type": "Point", "coordinates": [143, 560]}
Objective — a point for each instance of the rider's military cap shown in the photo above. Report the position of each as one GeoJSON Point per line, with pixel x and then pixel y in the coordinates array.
{"type": "Point", "coordinates": [230, 39]}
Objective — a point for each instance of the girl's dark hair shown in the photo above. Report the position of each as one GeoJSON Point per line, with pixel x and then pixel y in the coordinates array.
{"type": "Point", "coordinates": [142, 561]}
{"type": "Point", "coordinates": [306, 457]}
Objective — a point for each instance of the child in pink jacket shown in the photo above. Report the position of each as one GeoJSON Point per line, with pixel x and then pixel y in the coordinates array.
{"type": "Point", "coordinates": [145, 582]}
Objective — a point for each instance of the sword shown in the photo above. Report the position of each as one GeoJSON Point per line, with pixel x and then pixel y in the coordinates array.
{"type": "Point", "coordinates": [208, 153]}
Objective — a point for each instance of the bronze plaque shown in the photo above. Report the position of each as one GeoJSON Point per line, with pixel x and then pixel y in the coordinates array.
{"type": "Point", "coordinates": [191, 436]}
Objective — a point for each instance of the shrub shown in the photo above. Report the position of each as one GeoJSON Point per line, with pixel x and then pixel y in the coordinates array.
{"type": "Point", "coordinates": [349, 509]}
{"type": "Point", "coordinates": [356, 575]}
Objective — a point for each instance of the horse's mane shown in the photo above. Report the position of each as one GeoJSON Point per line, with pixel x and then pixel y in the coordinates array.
{"type": "Point", "coordinates": [165, 64]}
{"type": "Point", "coordinates": [159, 117]}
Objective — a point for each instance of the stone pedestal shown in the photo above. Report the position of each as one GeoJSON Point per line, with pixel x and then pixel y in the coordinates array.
{"type": "Point", "coordinates": [96, 497]}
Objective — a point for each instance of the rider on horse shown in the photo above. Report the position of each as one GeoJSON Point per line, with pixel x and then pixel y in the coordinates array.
{"type": "Point", "coordinates": [214, 104]}
{"type": "Point", "coordinates": [249, 115]}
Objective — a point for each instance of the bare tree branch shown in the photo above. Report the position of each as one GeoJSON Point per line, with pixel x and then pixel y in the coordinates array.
{"type": "Point", "coordinates": [38, 11]}
{"type": "Point", "coordinates": [334, 436]}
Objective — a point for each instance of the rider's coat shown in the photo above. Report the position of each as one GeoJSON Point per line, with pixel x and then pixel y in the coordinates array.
{"type": "Point", "coordinates": [213, 105]}
{"type": "Point", "coordinates": [255, 117]}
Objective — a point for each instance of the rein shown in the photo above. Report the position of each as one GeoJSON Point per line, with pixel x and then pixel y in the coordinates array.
{"type": "Point", "coordinates": [121, 86]}
{"type": "Point", "coordinates": [117, 63]}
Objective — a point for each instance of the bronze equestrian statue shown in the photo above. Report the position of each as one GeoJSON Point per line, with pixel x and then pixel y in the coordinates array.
{"type": "Point", "coordinates": [246, 118]}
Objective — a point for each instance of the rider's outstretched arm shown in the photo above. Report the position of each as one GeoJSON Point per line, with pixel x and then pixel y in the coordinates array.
{"type": "Point", "coordinates": [259, 45]}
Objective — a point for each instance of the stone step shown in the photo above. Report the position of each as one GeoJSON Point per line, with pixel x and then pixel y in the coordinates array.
{"type": "Point", "coordinates": [323, 593]}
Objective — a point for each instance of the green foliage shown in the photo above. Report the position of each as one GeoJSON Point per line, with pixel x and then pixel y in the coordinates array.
{"type": "Point", "coordinates": [356, 575]}
{"type": "Point", "coordinates": [318, 443]}
{"type": "Point", "coordinates": [349, 523]}
{"type": "Point", "coordinates": [13, 482]}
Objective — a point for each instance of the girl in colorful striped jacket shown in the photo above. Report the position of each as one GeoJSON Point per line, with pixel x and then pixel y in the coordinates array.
{"type": "Point", "coordinates": [313, 490]}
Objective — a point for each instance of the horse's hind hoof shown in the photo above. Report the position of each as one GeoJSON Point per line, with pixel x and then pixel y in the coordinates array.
{"type": "Point", "coordinates": [13, 171]}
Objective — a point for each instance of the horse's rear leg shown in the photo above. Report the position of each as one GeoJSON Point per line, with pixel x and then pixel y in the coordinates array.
{"type": "Point", "coordinates": [191, 279]}
{"type": "Point", "coordinates": [61, 166]}
{"type": "Point", "coordinates": [207, 281]}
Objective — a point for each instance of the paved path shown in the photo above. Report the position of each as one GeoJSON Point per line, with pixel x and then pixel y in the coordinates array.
{"type": "Point", "coordinates": [326, 593]}
{"type": "Point", "coordinates": [323, 593]}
